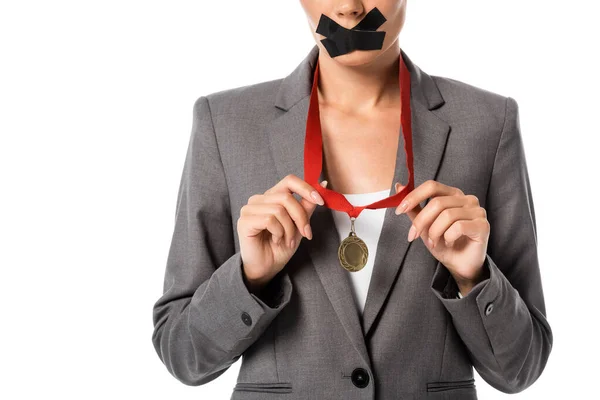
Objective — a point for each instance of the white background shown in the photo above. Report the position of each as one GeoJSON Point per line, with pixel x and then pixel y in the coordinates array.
{"type": "Point", "coordinates": [95, 116]}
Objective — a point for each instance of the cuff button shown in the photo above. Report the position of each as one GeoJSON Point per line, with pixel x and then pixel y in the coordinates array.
{"type": "Point", "coordinates": [246, 318]}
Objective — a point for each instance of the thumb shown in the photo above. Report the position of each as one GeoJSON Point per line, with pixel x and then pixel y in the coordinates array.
{"type": "Point", "coordinates": [413, 212]}
{"type": "Point", "coordinates": [309, 206]}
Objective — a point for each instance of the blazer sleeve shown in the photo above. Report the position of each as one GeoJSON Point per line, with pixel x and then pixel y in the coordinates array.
{"type": "Point", "coordinates": [502, 320]}
{"type": "Point", "coordinates": [206, 316]}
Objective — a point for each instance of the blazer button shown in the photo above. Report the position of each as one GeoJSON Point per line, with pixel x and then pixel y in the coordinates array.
{"type": "Point", "coordinates": [246, 318]}
{"type": "Point", "coordinates": [360, 378]}
{"type": "Point", "coordinates": [489, 308]}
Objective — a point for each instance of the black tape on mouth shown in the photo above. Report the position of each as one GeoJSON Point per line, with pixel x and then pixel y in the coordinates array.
{"type": "Point", "coordinates": [364, 36]}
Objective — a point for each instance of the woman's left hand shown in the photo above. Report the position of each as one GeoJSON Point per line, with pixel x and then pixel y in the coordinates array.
{"type": "Point", "coordinates": [453, 227]}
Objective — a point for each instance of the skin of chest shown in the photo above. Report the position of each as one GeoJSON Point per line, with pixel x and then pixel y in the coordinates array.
{"type": "Point", "coordinates": [359, 150]}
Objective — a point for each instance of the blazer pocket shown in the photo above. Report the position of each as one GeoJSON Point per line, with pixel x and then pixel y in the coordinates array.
{"type": "Point", "coordinates": [451, 385]}
{"type": "Point", "coordinates": [265, 387]}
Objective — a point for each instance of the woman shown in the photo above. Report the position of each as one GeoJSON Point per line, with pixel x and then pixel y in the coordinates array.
{"type": "Point", "coordinates": [255, 266]}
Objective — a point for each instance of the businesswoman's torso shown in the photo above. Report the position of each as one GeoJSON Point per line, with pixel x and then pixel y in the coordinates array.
{"type": "Point", "coordinates": [313, 337]}
{"type": "Point", "coordinates": [412, 342]}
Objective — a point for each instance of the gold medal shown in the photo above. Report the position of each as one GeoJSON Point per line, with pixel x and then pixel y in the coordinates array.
{"type": "Point", "coordinates": [353, 252]}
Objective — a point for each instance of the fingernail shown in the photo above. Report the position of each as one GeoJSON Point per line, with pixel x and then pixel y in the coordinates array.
{"type": "Point", "coordinates": [315, 195]}
{"type": "Point", "coordinates": [308, 232]}
{"type": "Point", "coordinates": [292, 244]}
{"type": "Point", "coordinates": [403, 206]}
{"type": "Point", "coordinates": [412, 233]}
{"type": "Point", "coordinates": [430, 242]}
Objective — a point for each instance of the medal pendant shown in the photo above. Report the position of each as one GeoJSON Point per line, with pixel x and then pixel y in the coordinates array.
{"type": "Point", "coordinates": [353, 252]}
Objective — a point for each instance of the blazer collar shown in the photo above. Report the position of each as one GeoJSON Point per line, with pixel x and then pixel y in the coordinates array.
{"type": "Point", "coordinates": [286, 139]}
{"type": "Point", "coordinates": [298, 83]}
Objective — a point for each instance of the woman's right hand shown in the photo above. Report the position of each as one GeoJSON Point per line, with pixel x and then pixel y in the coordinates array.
{"type": "Point", "coordinates": [272, 225]}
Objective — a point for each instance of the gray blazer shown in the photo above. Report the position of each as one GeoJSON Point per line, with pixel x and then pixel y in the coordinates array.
{"type": "Point", "coordinates": [304, 337]}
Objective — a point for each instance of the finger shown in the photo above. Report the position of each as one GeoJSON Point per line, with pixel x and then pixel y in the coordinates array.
{"type": "Point", "coordinates": [255, 224]}
{"type": "Point", "coordinates": [447, 218]}
{"type": "Point", "coordinates": [476, 229]}
{"type": "Point", "coordinates": [309, 208]}
{"type": "Point", "coordinates": [438, 207]}
{"type": "Point", "coordinates": [271, 206]}
{"type": "Point", "coordinates": [294, 184]}
{"type": "Point", "coordinates": [299, 212]}
{"type": "Point", "coordinates": [413, 212]}
{"type": "Point", "coordinates": [427, 189]}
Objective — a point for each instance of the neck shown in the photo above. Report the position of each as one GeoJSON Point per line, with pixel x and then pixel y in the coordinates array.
{"type": "Point", "coordinates": [360, 88]}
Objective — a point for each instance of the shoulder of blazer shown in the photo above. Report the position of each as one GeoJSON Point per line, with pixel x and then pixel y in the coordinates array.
{"type": "Point", "coordinates": [464, 101]}
{"type": "Point", "coordinates": [244, 102]}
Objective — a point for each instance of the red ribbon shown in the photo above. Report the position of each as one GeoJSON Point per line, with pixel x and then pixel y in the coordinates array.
{"type": "Point", "coordinates": [313, 150]}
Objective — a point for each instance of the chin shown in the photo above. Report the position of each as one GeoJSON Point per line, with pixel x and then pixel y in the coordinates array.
{"type": "Point", "coordinates": [357, 57]}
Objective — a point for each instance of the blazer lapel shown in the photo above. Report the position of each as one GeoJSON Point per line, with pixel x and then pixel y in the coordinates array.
{"type": "Point", "coordinates": [429, 140]}
{"type": "Point", "coordinates": [287, 134]}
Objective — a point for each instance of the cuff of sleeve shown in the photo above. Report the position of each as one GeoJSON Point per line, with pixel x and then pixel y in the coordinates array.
{"type": "Point", "coordinates": [231, 316]}
{"type": "Point", "coordinates": [489, 316]}
{"type": "Point", "coordinates": [445, 288]}
{"type": "Point", "coordinates": [272, 294]}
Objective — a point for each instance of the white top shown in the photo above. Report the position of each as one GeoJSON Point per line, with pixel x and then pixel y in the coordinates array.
{"type": "Point", "coordinates": [368, 227]}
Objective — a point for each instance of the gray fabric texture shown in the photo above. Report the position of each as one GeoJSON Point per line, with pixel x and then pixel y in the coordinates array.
{"type": "Point", "coordinates": [305, 339]}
